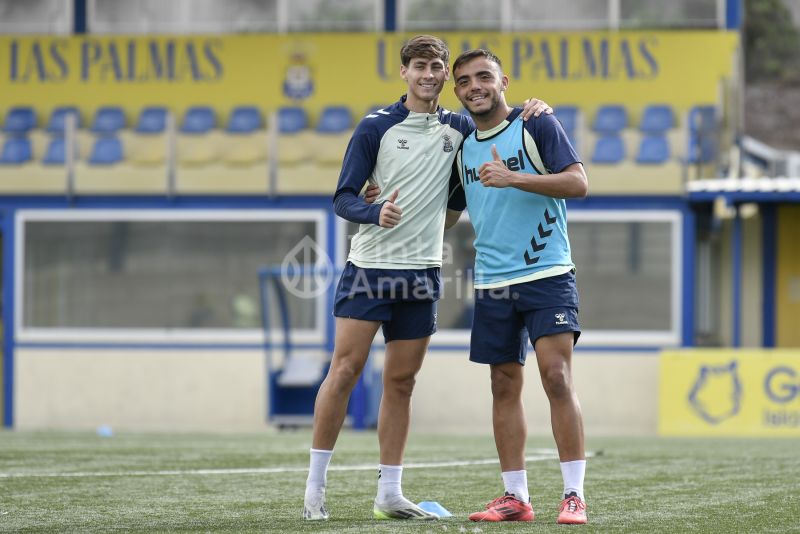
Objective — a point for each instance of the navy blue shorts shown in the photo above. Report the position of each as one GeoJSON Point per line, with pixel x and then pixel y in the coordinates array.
{"type": "Point", "coordinates": [506, 317]}
{"type": "Point", "coordinates": [404, 300]}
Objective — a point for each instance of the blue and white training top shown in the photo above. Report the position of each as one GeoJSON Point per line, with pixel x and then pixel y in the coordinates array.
{"type": "Point", "coordinates": [519, 236]}
{"type": "Point", "coordinates": [413, 152]}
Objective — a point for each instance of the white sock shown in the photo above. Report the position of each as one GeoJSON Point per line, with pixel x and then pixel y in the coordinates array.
{"type": "Point", "coordinates": [573, 473]}
{"type": "Point", "coordinates": [516, 483]}
{"type": "Point", "coordinates": [318, 470]}
{"type": "Point", "coordinates": [389, 477]}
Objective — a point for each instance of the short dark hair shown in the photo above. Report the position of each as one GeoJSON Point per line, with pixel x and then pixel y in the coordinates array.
{"type": "Point", "coordinates": [424, 46]}
{"type": "Point", "coordinates": [469, 55]}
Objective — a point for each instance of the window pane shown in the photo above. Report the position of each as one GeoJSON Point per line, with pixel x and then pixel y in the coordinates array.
{"type": "Point", "coordinates": [623, 273]}
{"type": "Point", "coordinates": [675, 14]}
{"type": "Point", "coordinates": [451, 15]}
{"type": "Point", "coordinates": [332, 15]}
{"type": "Point", "coordinates": [35, 16]}
{"type": "Point", "coordinates": [183, 16]}
{"type": "Point", "coordinates": [155, 274]}
{"type": "Point", "coordinates": [559, 15]}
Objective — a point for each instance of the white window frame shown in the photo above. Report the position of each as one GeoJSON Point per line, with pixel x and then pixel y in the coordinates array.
{"type": "Point", "coordinates": [223, 336]}
{"type": "Point", "coordinates": [617, 338]}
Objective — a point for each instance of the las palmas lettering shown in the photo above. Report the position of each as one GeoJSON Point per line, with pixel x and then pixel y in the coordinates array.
{"type": "Point", "coordinates": [556, 58]}
{"type": "Point", "coordinates": [117, 60]}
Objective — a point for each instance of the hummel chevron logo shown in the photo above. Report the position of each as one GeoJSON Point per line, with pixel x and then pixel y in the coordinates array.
{"type": "Point", "coordinates": [544, 233]}
{"type": "Point", "coordinates": [538, 246]}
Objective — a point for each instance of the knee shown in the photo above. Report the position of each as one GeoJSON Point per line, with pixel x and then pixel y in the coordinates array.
{"type": "Point", "coordinates": [399, 385]}
{"type": "Point", "coordinates": [504, 386]}
{"type": "Point", "coordinates": [345, 372]}
{"type": "Point", "coordinates": [557, 381]}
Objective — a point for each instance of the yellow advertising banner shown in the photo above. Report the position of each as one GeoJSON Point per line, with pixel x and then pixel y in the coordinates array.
{"type": "Point", "coordinates": [729, 393]}
{"type": "Point", "coordinates": [361, 70]}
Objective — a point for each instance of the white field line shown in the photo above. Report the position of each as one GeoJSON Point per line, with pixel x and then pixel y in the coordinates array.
{"type": "Point", "coordinates": [538, 456]}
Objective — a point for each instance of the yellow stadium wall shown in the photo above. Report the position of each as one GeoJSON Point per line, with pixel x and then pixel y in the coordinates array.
{"type": "Point", "coordinates": [787, 300]}
{"type": "Point", "coordinates": [587, 69]}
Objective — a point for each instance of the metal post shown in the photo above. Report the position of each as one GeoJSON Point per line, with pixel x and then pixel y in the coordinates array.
{"type": "Point", "coordinates": [736, 262]}
{"type": "Point", "coordinates": [613, 14]}
{"type": "Point", "coordinates": [172, 181]}
{"type": "Point", "coordinates": [272, 158]}
{"type": "Point", "coordinates": [70, 124]}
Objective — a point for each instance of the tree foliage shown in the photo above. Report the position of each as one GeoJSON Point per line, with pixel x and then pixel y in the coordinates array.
{"type": "Point", "coordinates": [772, 43]}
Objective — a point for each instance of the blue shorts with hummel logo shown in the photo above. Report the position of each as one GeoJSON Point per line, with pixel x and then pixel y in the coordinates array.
{"type": "Point", "coordinates": [506, 317]}
{"type": "Point", "coordinates": [403, 300]}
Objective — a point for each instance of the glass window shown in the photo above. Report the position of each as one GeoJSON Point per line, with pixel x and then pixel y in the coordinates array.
{"type": "Point", "coordinates": [558, 14]}
{"type": "Point", "coordinates": [624, 274]}
{"type": "Point", "coordinates": [674, 14]}
{"type": "Point", "coordinates": [182, 16]}
{"type": "Point", "coordinates": [334, 15]}
{"type": "Point", "coordinates": [627, 273]}
{"type": "Point", "coordinates": [450, 15]}
{"type": "Point", "coordinates": [36, 16]}
{"type": "Point", "coordinates": [158, 273]}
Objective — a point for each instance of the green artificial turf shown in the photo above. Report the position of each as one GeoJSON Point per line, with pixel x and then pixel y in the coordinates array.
{"type": "Point", "coordinates": [81, 482]}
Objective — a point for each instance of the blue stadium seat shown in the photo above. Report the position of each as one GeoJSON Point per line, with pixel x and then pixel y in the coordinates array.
{"type": "Point", "coordinates": [56, 153]}
{"type": "Point", "coordinates": [568, 116]}
{"type": "Point", "coordinates": [702, 147]}
{"type": "Point", "coordinates": [292, 120]}
{"type": "Point", "coordinates": [609, 149]}
{"type": "Point", "coordinates": [657, 118]}
{"type": "Point", "coordinates": [610, 119]}
{"type": "Point", "coordinates": [19, 120]}
{"type": "Point", "coordinates": [152, 120]}
{"type": "Point", "coordinates": [106, 151]}
{"type": "Point", "coordinates": [702, 118]}
{"type": "Point", "coordinates": [58, 123]}
{"type": "Point", "coordinates": [198, 120]}
{"type": "Point", "coordinates": [107, 120]}
{"type": "Point", "coordinates": [335, 119]}
{"type": "Point", "coordinates": [245, 119]}
{"type": "Point", "coordinates": [653, 150]}
{"type": "Point", "coordinates": [16, 150]}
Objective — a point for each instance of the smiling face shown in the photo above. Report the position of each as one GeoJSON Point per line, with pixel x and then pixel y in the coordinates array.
{"type": "Point", "coordinates": [425, 79]}
{"type": "Point", "coordinates": [480, 84]}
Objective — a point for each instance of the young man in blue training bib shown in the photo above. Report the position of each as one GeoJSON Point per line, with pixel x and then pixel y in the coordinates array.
{"type": "Point", "coordinates": [515, 176]}
{"type": "Point", "coordinates": [391, 280]}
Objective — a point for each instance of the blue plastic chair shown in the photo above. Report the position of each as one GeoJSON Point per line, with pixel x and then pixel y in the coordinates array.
{"type": "Point", "coordinates": [702, 147]}
{"type": "Point", "coordinates": [198, 120]}
{"type": "Point", "coordinates": [568, 116]}
{"type": "Point", "coordinates": [335, 119]}
{"type": "Point", "coordinates": [702, 119]}
{"type": "Point", "coordinates": [58, 122]}
{"type": "Point", "coordinates": [108, 120]}
{"type": "Point", "coordinates": [19, 120]}
{"type": "Point", "coordinates": [653, 150]}
{"type": "Point", "coordinates": [245, 119]}
{"type": "Point", "coordinates": [609, 149]}
{"type": "Point", "coordinates": [657, 118]}
{"type": "Point", "coordinates": [152, 120]}
{"type": "Point", "coordinates": [16, 150]}
{"type": "Point", "coordinates": [106, 151]}
{"type": "Point", "coordinates": [292, 120]}
{"type": "Point", "coordinates": [610, 119]}
{"type": "Point", "coordinates": [56, 153]}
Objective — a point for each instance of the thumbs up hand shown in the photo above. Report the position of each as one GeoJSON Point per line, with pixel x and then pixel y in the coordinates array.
{"type": "Point", "coordinates": [495, 173]}
{"type": "Point", "coordinates": [391, 212]}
